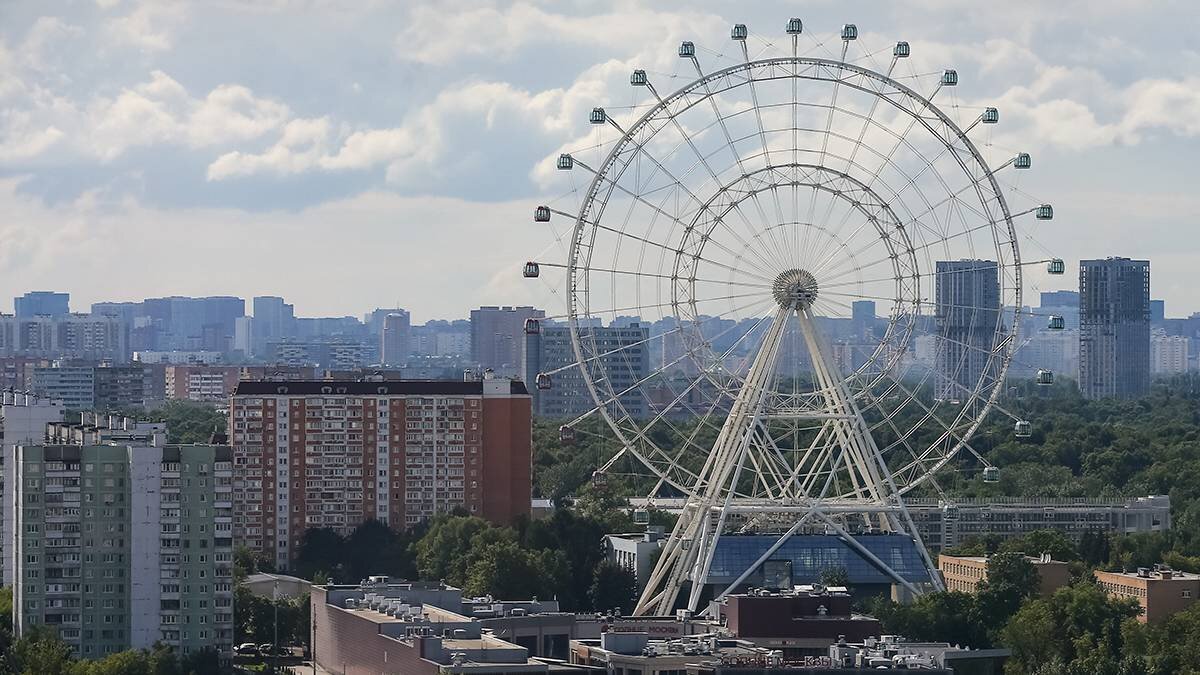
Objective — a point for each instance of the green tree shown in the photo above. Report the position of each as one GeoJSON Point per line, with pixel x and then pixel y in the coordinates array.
{"type": "Point", "coordinates": [505, 570]}
{"type": "Point", "coordinates": [948, 616]}
{"type": "Point", "coordinates": [1079, 626]}
{"type": "Point", "coordinates": [1054, 542]}
{"type": "Point", "coordinates": [374, 548]}
{"type": "Point", "coordinates": [835, 576]}
{"type": "Point", "coordinates": [191, 422]}
{"type": "Point", "coordinates": [613, 587]}
{"type": "Point", "coordinates": [444, 550]}
{"type": "Point", "coordinates": [321, 550]}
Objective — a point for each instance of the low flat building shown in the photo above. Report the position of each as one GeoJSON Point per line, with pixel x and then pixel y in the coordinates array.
{"type": "Point", "coordinates": [268, 586]}
{"type": "Point", "coordinates": [417, 628]}
{"type": "Point", "coordinates": [1160, 591]}
{"type": "Point", "coordinates": [635, 551]}
{"type": "Point", "coordinates": [638, 653]}
{"type": "Point", "coordinates": [964, 573]}
{"type": "Point", "coordinates": [944, 524]}
{"type": "Point", "coordinates": [801, 622]}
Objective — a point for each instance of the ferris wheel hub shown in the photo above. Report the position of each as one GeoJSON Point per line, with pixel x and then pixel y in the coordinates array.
{"type": "Point", "coordinates": [795, 289]}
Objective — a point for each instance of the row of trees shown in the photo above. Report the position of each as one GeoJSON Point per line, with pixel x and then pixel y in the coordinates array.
{"type": "Point", "coordinates": [559, 557]}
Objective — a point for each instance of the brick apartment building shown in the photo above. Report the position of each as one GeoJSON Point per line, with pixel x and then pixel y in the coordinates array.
{"type": "Point", "coordinates": [335, 453]}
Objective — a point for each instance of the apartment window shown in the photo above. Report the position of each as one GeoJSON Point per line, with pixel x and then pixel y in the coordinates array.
{"type": "Point", "coordinates": [1185, 593]}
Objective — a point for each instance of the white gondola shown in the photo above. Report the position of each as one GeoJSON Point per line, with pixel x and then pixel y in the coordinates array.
{"type": "Point", "coordinates": [533, 327]}
{"type": "Point", "coordinates": [641, 517]}
{"type": "Point", "coordinates": [543, 381]}
{"type": "Point", "coordinates": [1044, 377]}
{"type": "Point", "coordinates": [991, 474]}
{"type": "Point", "coordinates": [795, 26]}
{"type": "Point", "coordinates": [565, 163]}
{"type": "Point", "coordinates": [849, 32]}
{"type": "Point", "coordinates": [541, 214]}
{"type": "Point", "coordinates": [1056, 266]}
{"type": "Point", "coordinates": [1022, 429]}
{"type": "Point", "coordinates": [739, 31]}
{"type": "Point", "coordinates": [1044, 212]}
{"type": "Point", "coordinates": [991, 115]}
{"type": "Point", "coordinates": [950, 78]}
{"type": "Point", "coordinates": [1023, 161]}
{"type": "Point", "coordinates": [1056, 323]}
{"type": "Point", "coordinates": [531, 270]}
{"type": "Point", "coordinates": [597, 116]}
{"type": "Point", "coordinates": [566, 435]}
{"type": "Point", "coordinates": [599, 479]}
{"type": "Point", "coordinates": [687, 50]}
{"type": "Point", "coordinates": [902, 50]}
{"type": "Point", "coordinates": [638, 78]}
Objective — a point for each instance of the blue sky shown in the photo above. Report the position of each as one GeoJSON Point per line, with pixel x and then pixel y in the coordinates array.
{"type": "Point", "coordinates": [354, 154]}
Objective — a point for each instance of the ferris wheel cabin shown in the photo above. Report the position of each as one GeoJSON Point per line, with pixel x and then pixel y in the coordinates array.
{"type": "Point", "coordinates": [566, 435]}
{"type": "Point", "coordinates": [531, 270]}
{"type": "Point", "coordinates": [991, 115]}
{"type": "Point", "coordinates": [739, 32]}
{"type": "Point", "coordinates": [597, 116]}
{"type": "Point", "coordinates": [533, 327]}
{"type": "Point", "coordinates": [1022, 429]}
{"type": "Point", "coordinates": [565, 163]}
{"type": "Point", "coordinates": [1056, 323]}
{"type": "Point", "coordinates": [902, 50]}
{"type": "Point", "coordinates": [638, 78]}
{"type": "Point", "coordinates": [991, 474]}
{"type": "Point", "coordinates": [1044, 212]}
{"type": "Point", "coordinates": [1044, 377]}
{"type": "Point", "coordinates": [795, 26]}
{"type": "Point", "coordinates": [950, 78]}
{"type": "Point", "coordinates": [849, 32]}
{"type": "Point", "coordinates": [687, 50]}
{"type": "Point", "coordinates": [1023, 161]}
{"type": "Point", "coordinates": [1056, 266]}
{"type": "Point", "coordinates": [541, 214]}
{"type": "Point", "coordinates": [542, 381]}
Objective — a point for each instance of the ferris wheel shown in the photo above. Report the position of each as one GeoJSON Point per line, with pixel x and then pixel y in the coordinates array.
{"type": "Point", "coordinates": [826, 269]}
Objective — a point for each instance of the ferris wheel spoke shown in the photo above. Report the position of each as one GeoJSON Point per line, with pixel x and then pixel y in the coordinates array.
{"type": "Point", "coordinates": [676, 219]}
{"type": "Point", "coordinates": [780, 248]}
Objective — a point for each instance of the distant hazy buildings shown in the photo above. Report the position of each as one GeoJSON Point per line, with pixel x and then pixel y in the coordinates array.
{"type": "Point", "coordinates": [497, 338]}
{"type": "Point", "coordinates": [208, 384]}
{"type": "Point", "coordinates": [1169, 354]}
{"type": "Point", "coordinates": [1114, 328]}
{"type": "Point", "coordinates": [394, 339]}
{"type": "Point", "coordinates": [41, 303]}
{"type": "Point", "coordinates": [621, 371]}
{"type": "Point", "coordinates": [88, 387]}
{"type": "Point", "coordinates": [967, 311]}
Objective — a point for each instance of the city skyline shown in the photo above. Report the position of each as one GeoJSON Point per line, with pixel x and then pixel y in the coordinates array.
{"type": "Point", "coordinates": [153, 151]}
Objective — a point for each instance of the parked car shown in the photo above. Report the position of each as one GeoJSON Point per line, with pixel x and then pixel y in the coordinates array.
{"type": "Point", "coordinates": [246, 649]}
{"type": "Point", "coordinates": [266, 649]}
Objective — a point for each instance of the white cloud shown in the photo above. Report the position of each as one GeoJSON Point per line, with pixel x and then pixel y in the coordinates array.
{"type": "Point", "coordinates": [149, 27]}
{"type": "Point", "coordinates": [159, 111]}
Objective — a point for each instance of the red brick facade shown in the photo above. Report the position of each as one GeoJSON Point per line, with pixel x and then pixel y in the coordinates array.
{"type": "Point", "coordinates": [329, 454]}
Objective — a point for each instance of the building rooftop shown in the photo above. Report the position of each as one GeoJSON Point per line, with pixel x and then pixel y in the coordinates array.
{"type": "Point", "coordinates": [1156, 573]}
{"type": "Point", "coordinates": [355, 388]}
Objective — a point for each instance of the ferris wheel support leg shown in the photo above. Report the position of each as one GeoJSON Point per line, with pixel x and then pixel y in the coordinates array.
{"type": "Point", "coordinates": [862, 448]}
{"type": "Point", "coordinates": [688, 551]}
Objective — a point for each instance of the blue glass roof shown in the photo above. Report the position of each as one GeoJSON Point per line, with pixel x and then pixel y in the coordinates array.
{"type": "Point", "coordinates": [809, 555]}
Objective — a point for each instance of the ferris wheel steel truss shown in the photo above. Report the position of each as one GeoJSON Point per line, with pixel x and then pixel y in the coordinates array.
{"type": "Point", "coordinates": [751, 229]}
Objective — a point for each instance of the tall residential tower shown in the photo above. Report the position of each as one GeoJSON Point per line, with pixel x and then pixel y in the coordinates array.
{"type": "Point", "coordinates": [1114, 328]}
